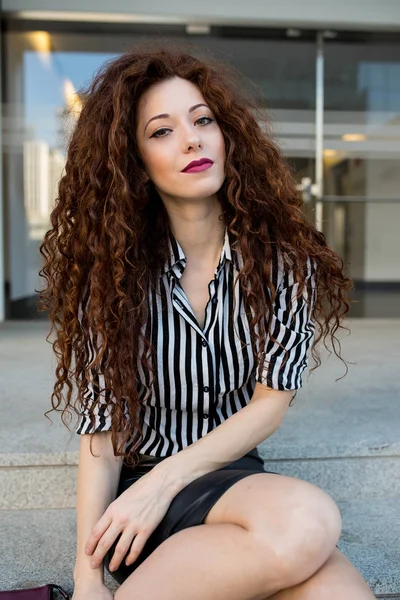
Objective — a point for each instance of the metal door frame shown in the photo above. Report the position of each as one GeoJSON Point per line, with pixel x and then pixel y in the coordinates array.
{"type": "Point", "coordinates": [2, 206]}
{"type": "Point", "coordinates": [319, 130]}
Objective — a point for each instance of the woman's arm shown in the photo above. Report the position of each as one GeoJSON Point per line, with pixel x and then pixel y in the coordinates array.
{"type": "Point", "coordinates": [97, 487]}
{"type": "Point", "coordinates": [231, 440]}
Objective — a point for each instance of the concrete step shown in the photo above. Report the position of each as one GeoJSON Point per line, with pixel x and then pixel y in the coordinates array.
{"type": "Point", "coordinates": [370, 539]}
{"type": "Point", "coordinates": [38, 546]}
{"type": "Point", "coordinates": [346, 475]}
{"type": "Point", "coordinates": [39, 481]}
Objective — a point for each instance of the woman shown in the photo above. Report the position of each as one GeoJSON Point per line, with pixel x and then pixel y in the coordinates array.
{"type": "Point", "coordinates": [185, 286]}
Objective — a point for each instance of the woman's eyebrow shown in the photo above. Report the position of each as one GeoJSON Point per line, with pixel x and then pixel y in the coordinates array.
{"type": "Point", "coordinates": [166, 116]}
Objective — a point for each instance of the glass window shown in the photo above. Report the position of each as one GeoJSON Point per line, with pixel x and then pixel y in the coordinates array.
{"type": "Point", "coordinates": [361, 158]}
{"type": "Point", "coordinates": [45, 67]}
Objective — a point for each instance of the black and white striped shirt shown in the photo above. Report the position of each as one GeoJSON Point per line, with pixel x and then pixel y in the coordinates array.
{"type": "Point", "coordinates": [206, 375]}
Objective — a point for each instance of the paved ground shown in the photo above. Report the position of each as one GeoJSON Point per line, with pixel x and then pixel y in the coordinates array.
{"type": "Point", "coordinates": [343, 435]}
{"type": "Point", "coordinates": [38, 546]}
{"type": "Point", "coordinates": [360, 411]}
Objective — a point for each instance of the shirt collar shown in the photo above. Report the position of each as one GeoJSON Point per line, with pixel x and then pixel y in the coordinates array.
{"type": "Point", "coordinates": [176, 261]}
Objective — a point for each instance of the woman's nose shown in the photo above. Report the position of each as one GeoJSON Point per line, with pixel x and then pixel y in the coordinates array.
{"type": "Point", "coordinates": [193, 144]}
{"type": "Point", "coordinates": [191, 139]}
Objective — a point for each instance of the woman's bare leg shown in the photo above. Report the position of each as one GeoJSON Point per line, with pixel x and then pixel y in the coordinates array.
{"type": "Point", "coordinates": [205, 562]}
{"type": "Point", "coordinates": [266, 533]}
{"type": "Point", "coordinates": [337, 578]}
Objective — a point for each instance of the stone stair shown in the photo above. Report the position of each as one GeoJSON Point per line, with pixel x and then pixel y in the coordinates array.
{"type": "Point", "coordinates": [367, 491]}
{"type": "Point", "coordinates": [342, 436]}
{"type": "Point", "coordinates": [39, 548]}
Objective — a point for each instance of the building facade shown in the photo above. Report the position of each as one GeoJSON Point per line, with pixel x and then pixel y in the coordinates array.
{"type": "Point", "coordinates": [330, 74]}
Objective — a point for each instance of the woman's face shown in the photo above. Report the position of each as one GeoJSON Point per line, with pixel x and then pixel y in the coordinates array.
{"type": "Point", "coordinates": [175, 127]}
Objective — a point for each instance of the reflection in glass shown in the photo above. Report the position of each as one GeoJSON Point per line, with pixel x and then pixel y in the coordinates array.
{"type": "Point", "coordinates": [41, 111]}
{"type": "Point", "coordinates": [44, 73]}
{"type": "Point", "coordinates": [361, 158]}
{"type": "Point", "coordinates": [48, 127]}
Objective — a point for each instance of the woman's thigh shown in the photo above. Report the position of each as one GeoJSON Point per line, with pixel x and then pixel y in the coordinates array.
{"type": "Point", "coordinates": [296, 520]}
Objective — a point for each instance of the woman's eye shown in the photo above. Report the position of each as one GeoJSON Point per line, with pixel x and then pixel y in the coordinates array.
{"type": "Point", "coordinates": [208, 120]}
{"type": "Point", "coordinates": [159, 131]}
{"type": "Point", "coordinates": [164, 130]}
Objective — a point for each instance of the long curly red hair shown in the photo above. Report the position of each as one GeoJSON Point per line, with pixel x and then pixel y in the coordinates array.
{"type": "Point", "coordinates": [109, 233]}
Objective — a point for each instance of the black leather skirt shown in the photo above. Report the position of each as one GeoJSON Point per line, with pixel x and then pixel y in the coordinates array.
{"type": "Point", "coordinates": [190, 507]}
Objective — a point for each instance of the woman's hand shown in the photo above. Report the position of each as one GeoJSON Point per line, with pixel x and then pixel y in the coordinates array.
{"type": "Point", "coordinates": [135, 514]}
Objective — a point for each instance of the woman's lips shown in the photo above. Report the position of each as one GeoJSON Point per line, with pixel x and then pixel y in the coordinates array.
{"type": "Point", "coordinates": [199, 168]}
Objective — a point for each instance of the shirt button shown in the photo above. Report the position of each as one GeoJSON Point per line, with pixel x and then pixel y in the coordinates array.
{"type": "Point", "coordinates": [204, 343]}
{"type": "Point", "coordinates": [205, 416]}
{"type": "Point", "coordinates": [206, 388]}
{"type": "Point", "coordinates": [214, 300]}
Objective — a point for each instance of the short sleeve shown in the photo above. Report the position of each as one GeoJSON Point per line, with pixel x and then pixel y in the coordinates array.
{"type": "Point", "coordinates": [293, 327]}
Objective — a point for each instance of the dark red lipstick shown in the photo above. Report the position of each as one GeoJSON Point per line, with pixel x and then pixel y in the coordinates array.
{"type": "Point", "coordinates": [198, 165]}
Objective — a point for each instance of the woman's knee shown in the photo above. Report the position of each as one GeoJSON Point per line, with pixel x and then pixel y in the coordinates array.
{"type": "Point", "coordinates": [294, 524]}
{"type": "Point", "coordinates": [306, 535]}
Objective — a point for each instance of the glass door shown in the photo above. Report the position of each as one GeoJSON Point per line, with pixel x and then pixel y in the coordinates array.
{"type": "Point", "coordinates": [282, 63]}
{"type": "Point", "coordinates": [361, 176]}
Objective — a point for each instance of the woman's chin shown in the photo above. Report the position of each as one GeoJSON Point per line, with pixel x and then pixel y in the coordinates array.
{"type": "Point", "coordinates": [192, 193]}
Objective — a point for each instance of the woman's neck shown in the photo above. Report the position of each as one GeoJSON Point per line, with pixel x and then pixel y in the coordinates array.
{"type": "Point", "coordinates": [199, 230]}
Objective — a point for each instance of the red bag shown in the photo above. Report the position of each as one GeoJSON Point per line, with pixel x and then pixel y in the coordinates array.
{"type": "Point", "coordinates": [45, 592]}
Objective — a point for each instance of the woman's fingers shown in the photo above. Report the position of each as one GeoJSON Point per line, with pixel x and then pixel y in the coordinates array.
{"type": "Point", "coordinates": [137, 546]}
{"type": "Point", "coordinates": [122, 548]}
{"type": "Point", "coordinates": [98, 530]}
{"type": "Point", "coordinates": [104, 544]}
